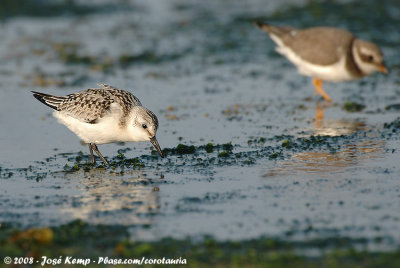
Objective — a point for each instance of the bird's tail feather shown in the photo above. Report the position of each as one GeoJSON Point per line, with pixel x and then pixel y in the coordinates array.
{"type": "Point", "coordinates": [275, 30]}
{"type": "Point", "coordinates": [49, 100]}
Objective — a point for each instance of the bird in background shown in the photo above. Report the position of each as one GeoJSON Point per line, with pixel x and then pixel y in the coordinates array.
{"type": "Point", "coordinates": [326, 53]}
{"type": "Point", "coordinates": [104, 115]}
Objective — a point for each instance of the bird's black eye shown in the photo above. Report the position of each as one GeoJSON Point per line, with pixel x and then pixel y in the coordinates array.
{"type": "Point", "coordinates": [144, 126]}
{"type": "Point", "coordinates": [370, 58]}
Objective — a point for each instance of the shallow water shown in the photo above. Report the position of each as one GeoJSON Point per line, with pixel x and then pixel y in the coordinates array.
{"type": "Point", "coordinates": [211, 77]}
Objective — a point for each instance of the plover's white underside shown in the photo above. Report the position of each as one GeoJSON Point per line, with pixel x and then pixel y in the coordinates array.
{"type": "Point", "coordinates": [104, 115]}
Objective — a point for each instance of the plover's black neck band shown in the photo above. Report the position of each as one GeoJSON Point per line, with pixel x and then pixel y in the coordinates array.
{"type": "Point", "coordinates": [351, 64]}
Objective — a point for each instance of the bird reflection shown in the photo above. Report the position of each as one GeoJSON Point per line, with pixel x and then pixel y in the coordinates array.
{"type": "Point", "coordinates": [128, 200]}
{"type": "Point", "coordinates": [335, 127]}
{"type": "Point", "coordinates": [325, 162]}
{"type": "Point", "coordinates": [319, 112]}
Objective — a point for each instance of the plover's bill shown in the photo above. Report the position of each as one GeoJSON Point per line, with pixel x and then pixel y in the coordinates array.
{"type": "Point", "coordinates": [326, 53]}
{"type": "Point", "coordinates": [104, 115]}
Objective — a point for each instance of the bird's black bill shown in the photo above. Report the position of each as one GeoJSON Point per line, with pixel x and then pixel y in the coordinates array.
{"type": "Point", "coordinates": [156, 145]}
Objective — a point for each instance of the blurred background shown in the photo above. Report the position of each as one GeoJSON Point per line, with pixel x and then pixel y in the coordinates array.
{"type": "Point", "coordinates": [253, 165]}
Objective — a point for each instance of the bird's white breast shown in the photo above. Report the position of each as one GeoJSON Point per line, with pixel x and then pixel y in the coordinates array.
{"type": "Point", "coordinates": [106, 130]}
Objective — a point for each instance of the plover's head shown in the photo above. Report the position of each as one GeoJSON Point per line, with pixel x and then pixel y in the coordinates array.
{"type": "Point", "coordinates": [143, 126]}
{"type": "Point", "coordinates": [368, 57]}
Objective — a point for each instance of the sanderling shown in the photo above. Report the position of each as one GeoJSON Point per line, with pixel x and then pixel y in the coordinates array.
{"type": "Point", "coordinates": [104, 115]}
{"type": "Point", "coordinates": [326, 53]}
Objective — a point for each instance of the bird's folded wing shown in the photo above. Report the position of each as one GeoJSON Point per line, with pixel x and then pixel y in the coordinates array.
{"type": "Point", "coordinates": [319, 45]}
{"type": "Point", "coordinates": [92, 104]}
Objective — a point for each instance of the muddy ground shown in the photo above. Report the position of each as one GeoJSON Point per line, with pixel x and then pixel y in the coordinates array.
{"type": "Point", "coordinates": [247, 159]}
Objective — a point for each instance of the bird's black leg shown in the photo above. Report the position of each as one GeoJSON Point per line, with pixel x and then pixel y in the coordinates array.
{"type": "Point", "coordinates": [94, 146]}
{"type": "Point", "coordinates": [91, 153]}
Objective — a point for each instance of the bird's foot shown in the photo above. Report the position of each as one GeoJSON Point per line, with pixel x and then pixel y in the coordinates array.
{"type": "Point", "coordinates": [319, 90]}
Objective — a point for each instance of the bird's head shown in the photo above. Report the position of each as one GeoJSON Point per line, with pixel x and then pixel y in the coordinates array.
{"type": "Point", "coordinates": [368, 57]}
{"type": "Point", "coordinates": [143, 126]}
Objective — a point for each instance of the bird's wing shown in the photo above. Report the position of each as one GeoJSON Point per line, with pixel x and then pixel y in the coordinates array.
{"type": "Point", "coordinates": [319, 45]}
{"type": "Point", "coordinates": [92, 104]}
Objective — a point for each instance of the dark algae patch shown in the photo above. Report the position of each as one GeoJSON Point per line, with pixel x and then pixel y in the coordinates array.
{"type": "Point", "coordinates": [312, 142]}
{"type": "Point", "coordinates": [206, 156]}
{"type": "Point", "coordinates": [393, 107]}
{"type": "Point", "coordinates": [180, 150]}
{"type": "Point", "coordinates": [209, 148]}
{"type": "Point", "coordinates": [223, 154]}
{"type": "Point", "coordinates": [71, 53]}
{"type": "Point", "coordinates": [353, 107]}
{"type": "Point", "coordinates": [286, 144]}
{"type": "Point", "coordinates": [332, 13]}
{"type": "Point", "coordinates": [78, 238]}
{"type": "Point", "coordinates": [45, 8]}
{"type": "Point", "coordinates": [393, 126]}
{"type": "Point", "coordinates": [149, 56]}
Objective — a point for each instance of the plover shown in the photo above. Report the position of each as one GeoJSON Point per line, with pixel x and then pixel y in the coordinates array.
{"type": "Point", "coordinates": [104, 115]}
{"type": "Point", "coordinates": [326, 53]}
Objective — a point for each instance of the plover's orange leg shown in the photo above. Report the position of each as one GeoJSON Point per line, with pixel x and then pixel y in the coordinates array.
{"type": "Point", "coordinates": [319, 115]}
{"type": "Point", "coordinates": [319, 90]}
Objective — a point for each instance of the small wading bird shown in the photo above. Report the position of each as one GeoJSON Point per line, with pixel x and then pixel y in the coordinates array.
{"type": "Point", "coordinates": [104, 115]}
{"type": "Point", "coordinates": [326, 53]}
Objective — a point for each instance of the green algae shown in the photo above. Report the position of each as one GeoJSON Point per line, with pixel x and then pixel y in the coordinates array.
{"type": "Point", "coordinates": [274, 155]}
{"type": "Point", "coordinates": [353, 107]}
{"type": "Point", "coordinates": [203, 158]}
{"type": "Point", "coordinates": [147, 57]}
{"type": "Point", "coordinates": [80, 239]}
{"type": "Point", "coordinates": [12, 8]}
{"type": "Point", "coordinates": [296, 144]}
{"type": "Point", "coordinates": [227, 146]}
{"type": "Point", "coordinates": [207, 156]}
{"type": "Point", "coordinates": [69, 53]}
{"type": "Point", "coordinates": [185, 149]}
{"type": "Point", "coordinates": [105, 64]}
{"type": "Point", "coordinates": [223, 154]}
{"type": "Point", "coordinates": [286, 144]}
{"type": "Point", "coordinates": [119, 161]}
{"type": "Point", "coordinates": [394, 126]}
{"type": "Point", "coordinates": [393, 107]}
{"type": "Point", "coordinates": [182, 149]}
{"type": "Point", "coordinates": [332, 13]}
{"type": "Point", "coordinates": [209, 148]}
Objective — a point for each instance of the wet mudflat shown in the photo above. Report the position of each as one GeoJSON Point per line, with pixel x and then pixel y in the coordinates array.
{"type": "Point", "coordinates": [249, 163]}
